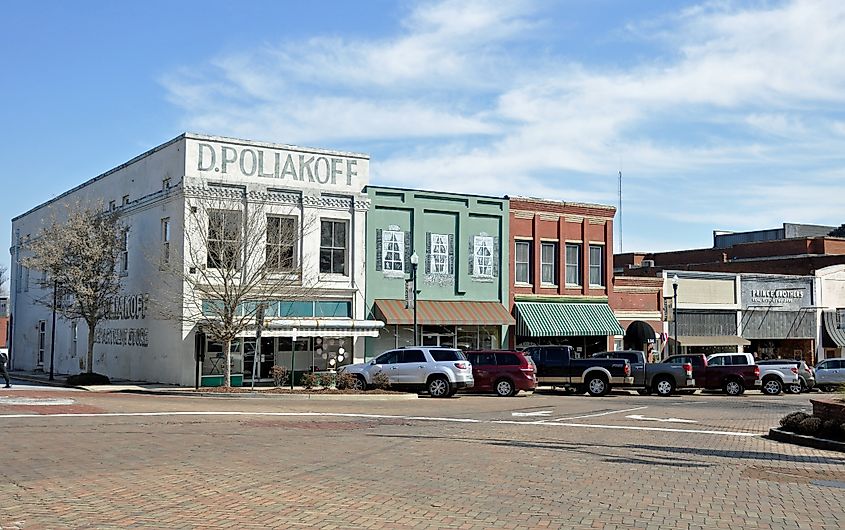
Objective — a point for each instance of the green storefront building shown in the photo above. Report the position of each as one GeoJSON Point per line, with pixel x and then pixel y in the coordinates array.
{"type": "Point", "coordinates": [461, 247]}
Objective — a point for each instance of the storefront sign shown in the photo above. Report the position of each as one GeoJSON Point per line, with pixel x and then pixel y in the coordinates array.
{"type": "Point", "coordinates": [276, 164]}
{"type": "Point", "coordinates": [787, 295]}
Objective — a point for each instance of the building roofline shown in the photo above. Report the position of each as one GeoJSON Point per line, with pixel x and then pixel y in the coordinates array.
{"type": "Point", "coordinates": [271, 145]}
{"type": "Point", "coordinates": [101, 176]}
{"type": "Point", "coordinates": [561, 203]}
{"type": "Point", "coordinates": [453, 194]}
{"type": "Point", "coordinates": [191, 136]}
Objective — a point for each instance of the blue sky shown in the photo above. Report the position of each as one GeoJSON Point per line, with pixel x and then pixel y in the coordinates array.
{"type": "Point", "coordinates": [721, 115]}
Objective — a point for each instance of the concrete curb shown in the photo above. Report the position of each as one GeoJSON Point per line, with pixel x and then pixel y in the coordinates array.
{"type": "Point", "coordinates": [807, 441]}
{"type": "Point", "coordinates": [44, 382]}
{"type": "Point", "coordinates": [262, 395]}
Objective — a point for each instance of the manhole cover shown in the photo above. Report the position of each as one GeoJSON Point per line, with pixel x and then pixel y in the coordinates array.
{"type": "Point", "coordinates": [6, 400]}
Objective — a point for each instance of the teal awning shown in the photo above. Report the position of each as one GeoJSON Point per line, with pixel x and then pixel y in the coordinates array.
{"type": "Point", "coordinates": [551, 319]}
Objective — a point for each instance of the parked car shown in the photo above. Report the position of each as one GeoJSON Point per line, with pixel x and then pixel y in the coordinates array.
{"type": "Point", "coordinates": [733, 373]}
{"type": "Point", "coordinates": [439, 371]}
{"type": "Point", "coordinates": [558, 366]}
{"type": "Point", "coordinates": [660, 378]}
{"type": "Point", "coordinates": [830, 374]}
{"type": "Point", "coordinates": [806, 376]}
{"type": "Point", "coordinates": [777, 377]}
{"type": "Point", "coordinates": [502, 372]}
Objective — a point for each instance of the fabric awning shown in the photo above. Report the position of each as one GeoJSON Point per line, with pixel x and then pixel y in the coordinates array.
{"type": "Point", "coordinates": [556, 319]}
{"type": "Point", "coordinates": [831, 325]}
{"type": "Point", "coordinates": [712, 340]}
{"type": "Point", "coordinates": [444, 312]}
{"type": "Point", "coordinates": [318, 327]}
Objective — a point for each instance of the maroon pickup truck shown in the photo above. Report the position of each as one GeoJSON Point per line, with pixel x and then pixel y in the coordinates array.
{"type": "Point", "coordinates": [731, 372]}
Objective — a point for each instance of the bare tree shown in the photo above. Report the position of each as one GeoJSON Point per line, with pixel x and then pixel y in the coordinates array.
{"type": "Point", "coordinates": [239, 255]}
{"type": "Point", "coordinates": [78, 249]}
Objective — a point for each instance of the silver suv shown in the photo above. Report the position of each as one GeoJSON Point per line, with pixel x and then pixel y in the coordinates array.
{"type": "Point", "coordinates": [439, 371]}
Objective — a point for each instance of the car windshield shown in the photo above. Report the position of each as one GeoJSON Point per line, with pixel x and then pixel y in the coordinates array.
{"type": "Point", "coordinates": [447, 355]}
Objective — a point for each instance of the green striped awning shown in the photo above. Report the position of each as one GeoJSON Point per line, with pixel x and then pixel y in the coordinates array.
{"type": "Point", "coordinates": [549, 319]}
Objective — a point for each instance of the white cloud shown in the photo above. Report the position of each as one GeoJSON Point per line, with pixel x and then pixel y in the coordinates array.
{"type": "Point", "coordinates": [740, 99]}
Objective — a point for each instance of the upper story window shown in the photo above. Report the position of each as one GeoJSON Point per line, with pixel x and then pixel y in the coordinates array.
{"type": "Point", "coordinates": [165, 183]}
{"type": "Point", "coordinates": [573, 264]}
{"type": "Point", "coordinates": [548, 263]}
{"type": "Point", "coordinates": [393, 250]}
{"type": "Point", "coordinates": [124, 252]}
{"type": "Point", "coordinates": [282, 240]}
{"type": "Point", "coordinates": [522, 261]}
{"type": "Point", "coordinates": [333, 242]}
{"type": "Point", "coordinates": [439, 255]}
{"type": "Point", "coordinates": [224, 239]}
{"type": "Point", "coordinates": [596, 265]}
{"type": "Point", "coordinates": [165, 240]}
{"type": "Point", "coordinates": [483, 256]}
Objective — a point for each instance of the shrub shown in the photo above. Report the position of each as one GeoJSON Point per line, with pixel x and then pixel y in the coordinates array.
{"type": "Point", "coordinates": [326, 380]}
{"type": "Point", "coordinates": [85, 379]}
{"type": "Point", "coordinates": [381, 381]}
{"type": "Point", "coordinates": [344, 381]}
{"type": "Point", "coordinates": [830, 429]}
{"type": "Point", "coordinates": [811, 426]}
{"type": "Point", "coordinates": [310, 380]}
{"type": "Point", "coordinates": [790, 422]}
{"type": "Point", "coordinates": [280, 375]}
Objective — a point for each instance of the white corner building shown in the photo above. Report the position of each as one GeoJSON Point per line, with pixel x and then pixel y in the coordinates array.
{"type": "Point", "coordinates": [317, 325]}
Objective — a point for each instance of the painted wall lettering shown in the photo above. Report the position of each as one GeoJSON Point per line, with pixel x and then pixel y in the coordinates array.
{"type": "Point", "coordinates": [276, 164]}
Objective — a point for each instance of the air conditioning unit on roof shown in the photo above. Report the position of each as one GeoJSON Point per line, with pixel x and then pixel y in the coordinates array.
{"type": "Point", "coordinates": [647, 263]}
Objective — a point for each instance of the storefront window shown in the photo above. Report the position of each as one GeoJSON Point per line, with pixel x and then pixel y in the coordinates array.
{"type": "Point", "coordinates": [468, 337]}
{"type": "Point", "coordinates": [438, 336]}
{"type": "Point", "coordinates": [489, 337]}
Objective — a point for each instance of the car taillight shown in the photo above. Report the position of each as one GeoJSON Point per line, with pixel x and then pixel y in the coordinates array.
{"type": "Point", "coordinates": [461, 366]}
{"type": "Point", "coordinates": [688, 369]}
{"type": "Point", "coordinates": [794, 370]}
{"type": "Point", "coordinates": [627, 369]}
{"type": "Point", "coordinates": [756, 371]}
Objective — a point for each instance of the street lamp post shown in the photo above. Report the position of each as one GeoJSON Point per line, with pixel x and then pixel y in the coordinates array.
{"type": "Point", "coordinates": [415, 261]}
{"type": "Point", "coordinates": [675, 311]}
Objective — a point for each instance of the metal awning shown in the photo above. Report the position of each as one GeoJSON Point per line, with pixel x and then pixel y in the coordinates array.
{"type": "Point", "coordinates": [831, 325]}
{"type": "Point", "coordinates": [444, 312]}
{"type": "Point", "coordinates": [557, 319]}
{"type": "Point", "coordinates": [318, 327]}
{"type": "Point", "coordinates": [712, 340]}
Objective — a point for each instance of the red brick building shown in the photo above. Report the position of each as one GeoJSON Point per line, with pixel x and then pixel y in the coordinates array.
{"type": "Point", "coordinates": [561, 264]}
{"type": "Point", "coordinates": [637, 303]}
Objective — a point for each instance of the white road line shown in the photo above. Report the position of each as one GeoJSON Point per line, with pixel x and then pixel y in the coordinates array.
{"type": "Point", "coordinates": [662, 420]}
{"type": "Point", "coordinates": [598, 414]}
{"type": "Point", "coordinates": [545, 423]}
{"type": "Point", "coordinates": [630, 428]}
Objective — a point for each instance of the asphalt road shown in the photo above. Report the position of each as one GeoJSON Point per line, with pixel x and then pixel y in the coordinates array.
{"type": "Point", "coordinates": [90, 460]}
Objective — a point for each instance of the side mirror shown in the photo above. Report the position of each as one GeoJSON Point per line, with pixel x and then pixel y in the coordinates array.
{"type": "Point", "coordinates": [373, 362]}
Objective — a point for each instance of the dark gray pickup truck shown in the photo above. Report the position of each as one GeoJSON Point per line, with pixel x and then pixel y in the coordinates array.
{"type": "Point", "coordinates": [662, 379]}
{"type": "Point", "coordinates": [557, 366]}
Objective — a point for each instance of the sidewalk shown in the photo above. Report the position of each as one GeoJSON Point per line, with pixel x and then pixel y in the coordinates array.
{"type": "Point", "coordinates": [140, 387]}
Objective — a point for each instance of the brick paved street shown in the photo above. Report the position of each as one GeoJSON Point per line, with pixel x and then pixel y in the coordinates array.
{"type": "Point", "coordinates": [560, 462]}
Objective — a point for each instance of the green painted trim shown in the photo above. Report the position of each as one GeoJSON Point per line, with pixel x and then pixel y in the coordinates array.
{"type": "Point", "coordinates": [558, 298]}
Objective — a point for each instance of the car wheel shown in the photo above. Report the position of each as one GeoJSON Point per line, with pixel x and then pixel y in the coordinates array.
{"type": "Point", "coordinates": [359, 383]}
{"type": "Point", "coordinates": [772, 387]}
{"type": "Point", "coordinates": [438, 387]}
{"type": "Point", "coordinates": [733, 387]}
{"type": "Point", "coordinates": [664, 387]}
{"type": "Point", "coordinates": [597, 386]}
{"type": "Point", "coordinates": [826, 388]}
{"type": "Point", "coordinates": [794, 388]}
{"type": "Point", "coordinates": [504, 388]}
